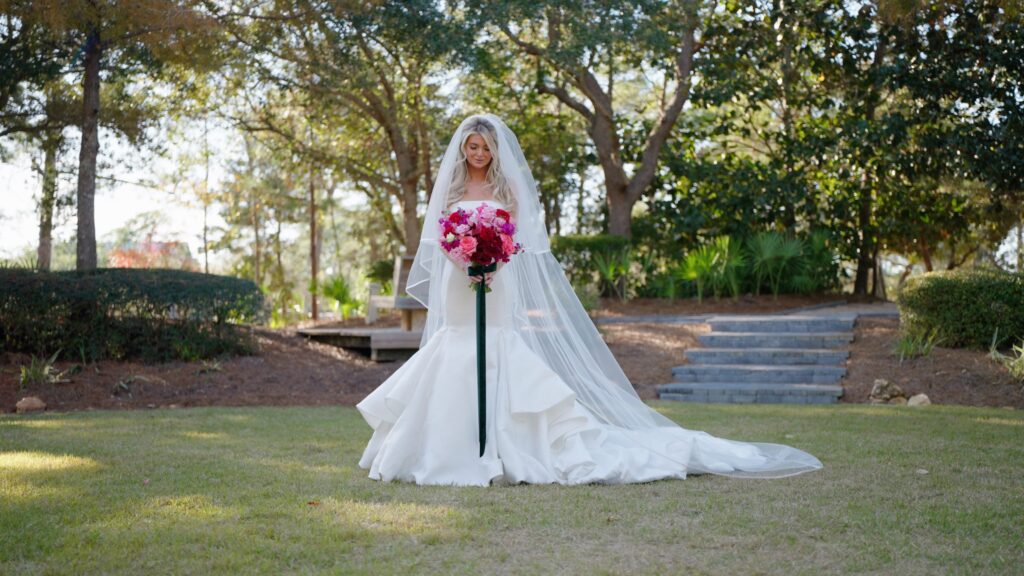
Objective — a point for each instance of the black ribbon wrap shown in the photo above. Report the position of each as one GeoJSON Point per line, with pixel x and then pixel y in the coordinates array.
{"type": "Point", "coordinates": [481, 350]}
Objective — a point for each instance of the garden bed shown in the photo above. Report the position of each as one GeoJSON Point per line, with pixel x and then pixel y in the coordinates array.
{"type": "Point", "coordinates": [292, 371]}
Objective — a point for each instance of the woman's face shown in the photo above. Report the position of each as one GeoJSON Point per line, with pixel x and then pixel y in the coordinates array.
{"type": "Point", "coordinates": [478, 155]}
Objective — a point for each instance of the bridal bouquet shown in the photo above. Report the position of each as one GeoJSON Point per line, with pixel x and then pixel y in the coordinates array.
{"type": "Point", "coordinates": [479, 238]}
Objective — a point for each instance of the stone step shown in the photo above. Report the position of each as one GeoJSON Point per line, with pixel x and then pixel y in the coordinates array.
{"type": "Point", "coordinates": [746, 393]}
{"type": "Point", "coordinates": [787, 323]}
{"type": "Point", "coordinates": [765, 356]}
{"type": "Point", "coordinates": [775, 339]}
{"type": "Point", "coordinates": [757, 373]}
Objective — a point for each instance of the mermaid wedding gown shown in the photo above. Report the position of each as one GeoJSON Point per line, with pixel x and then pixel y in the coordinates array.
{"type": "Point", "coordinates": [424, 416]}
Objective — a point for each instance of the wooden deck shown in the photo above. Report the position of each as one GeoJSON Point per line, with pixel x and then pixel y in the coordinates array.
{"type": "Point", "coordinates": [380, 344]}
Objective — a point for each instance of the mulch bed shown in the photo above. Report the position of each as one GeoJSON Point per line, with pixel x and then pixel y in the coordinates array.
{"type": "Point", "coordinates": [947, 375]}
{"type": "Point", "coordinates": [291, 370]}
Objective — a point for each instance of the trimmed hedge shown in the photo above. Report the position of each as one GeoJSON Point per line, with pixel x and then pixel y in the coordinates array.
{"type": "Point", "coordinates": [965, 306]}
{"type": "Point", "coordinates": [154, 314]}
{"type": "Point", "coordinates": [576, 253]}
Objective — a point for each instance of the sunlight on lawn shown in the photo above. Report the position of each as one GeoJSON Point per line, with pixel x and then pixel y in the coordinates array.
{"type": "Point", "coordinates": [392, 517]}
{"type": "Point", "coordinates": [204, 435]}
{"type": "Point", "coordinates": [32, 461]}
{"type": "Point", "coordinates": [1001, 421]}
{"type": "Point", "coordinates": [188, 507]}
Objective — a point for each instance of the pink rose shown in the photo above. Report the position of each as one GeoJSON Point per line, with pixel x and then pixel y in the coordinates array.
{"type": "Point", "coordinates": [458, 254]}
{"type": "Point", "coordinates": [486, 214]}
{"type": "Point", "coordinates": [468, 245]}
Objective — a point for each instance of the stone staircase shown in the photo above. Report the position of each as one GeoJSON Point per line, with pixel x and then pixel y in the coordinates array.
{"type": "Point", "coordinates": [789, 359]}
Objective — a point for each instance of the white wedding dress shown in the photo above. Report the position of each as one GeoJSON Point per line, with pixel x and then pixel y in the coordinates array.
{"type": "Point", "coordinates": [424, 416]}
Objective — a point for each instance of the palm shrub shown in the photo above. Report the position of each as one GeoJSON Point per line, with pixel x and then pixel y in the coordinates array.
{"type": "Point", "coordinates": [576, 254]}
{"type": "Point", "coordinates": [717, 265]}
{"type": "Point", "coordinates": [382, 271]}
{"type": "Point", "coordinates": [763, 249]}
{"type": "Point", "coordinates": [698, 267]}
{"type": "Point", "coordinates": [774, 257]}
{"type": "Point", "coordinates": [668, 283]}
{"type": "Point", "coordinates": [338, 289]}
{"type": "Point", "coordinates": [613, 271]}
{"type": "Point", "coordinates": [818, 267]}
{"type": "Point", "coordinates": [729, 264]}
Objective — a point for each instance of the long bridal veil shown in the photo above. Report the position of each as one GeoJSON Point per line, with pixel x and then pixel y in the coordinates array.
{"type": "Point", "coordinates": [551, 320]}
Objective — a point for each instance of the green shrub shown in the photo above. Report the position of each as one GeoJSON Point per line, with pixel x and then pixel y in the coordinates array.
{"type": "Point", "coordinates": [774, 257]}
{"type": "Point", "coordinates": [153, 314]}
{"type": "Point", "coordinates": [912, 344]}
{"type": "Point", "coordinates": [337, 289]}
{"type": "Point", "coordinates": [717, 265]}
{"type": "Point", "coordinates": [41, 371]}
{"type": "Point", "coordinates": [613, 272]}
{"type": "Point", "coordinates": [1013, 362]}
{"type": "Point", "coordinates": [588, 296]}
{"type": "Point", "coordinates": [382, 272]}
{"type": "Point", "coordinates": [576, 254]}
{"type": "Point", "coordinates": [818, 267]}
{"type": "Point", "coordinates": [965, 307]}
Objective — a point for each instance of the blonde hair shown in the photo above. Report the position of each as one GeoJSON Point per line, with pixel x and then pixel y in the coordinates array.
{"type": "Point", "coordinates": [495, 179]}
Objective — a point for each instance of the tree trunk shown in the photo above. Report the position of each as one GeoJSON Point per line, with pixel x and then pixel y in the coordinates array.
{"type": "Point", "coordinates": [878, 277]}
{"type": "Point", "coordinates": [865, 262]}
{"type": "Point", "coordinates": [926, 256]}
{"type": "Point", "coordinates": [622, 191]}
{"type": "Point", "coordinates": [788, 80]}
{"type": "Point", "coordinates": [206, 196]}
{"type": "Point", "coordinates": [410, 220]}
{"type": "Point", "coordinates": [620, 210]}
{"type": "Point", "coordinates": [254, 216]}
{"type": "Point", "coordinates": [581, 196]}
{"type": "Point", "coordinates": [866, 247]}
{"type": "Point", "coordinates": [51, 143]}
{"type": "Point", "coordinates": [86, 233]}
{"type": "Point", "coordinates": [314, 260]}
{"type": "Point", "coordinates": [280, 273]}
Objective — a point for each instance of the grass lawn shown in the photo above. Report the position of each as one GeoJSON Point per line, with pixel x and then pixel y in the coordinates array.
{"type": "Point", "coordinates": [278, 490]}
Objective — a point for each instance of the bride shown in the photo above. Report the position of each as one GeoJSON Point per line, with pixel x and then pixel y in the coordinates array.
{"type": "Point", "coordinates": [559, 408]}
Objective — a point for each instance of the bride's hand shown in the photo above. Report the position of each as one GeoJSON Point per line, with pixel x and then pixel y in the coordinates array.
{"type": "Point", "coordinates": [488, 276]}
